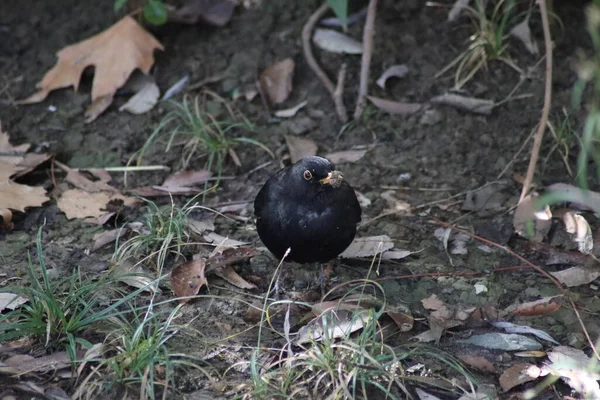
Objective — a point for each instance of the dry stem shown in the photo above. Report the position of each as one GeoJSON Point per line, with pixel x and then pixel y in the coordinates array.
{"type": "Point", "coordinates": [338, 95]}
{"type": "Point", "coordinates": [308, 54]}
{"type": "Point", "coordinates": [537, 141]}
{"type": "Point", "coordinates": [368, 33]}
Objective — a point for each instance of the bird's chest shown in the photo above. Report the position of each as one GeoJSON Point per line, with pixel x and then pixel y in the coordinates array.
{"type": "Point", "coordinates": [310, 219]}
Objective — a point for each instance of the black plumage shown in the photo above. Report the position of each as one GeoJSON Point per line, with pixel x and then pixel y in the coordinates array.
{"type": "Point", "coordinates": [309, 208]}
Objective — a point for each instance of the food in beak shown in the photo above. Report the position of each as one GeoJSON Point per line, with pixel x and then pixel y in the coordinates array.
{"type": "Point", "coordinates": [333, 178]}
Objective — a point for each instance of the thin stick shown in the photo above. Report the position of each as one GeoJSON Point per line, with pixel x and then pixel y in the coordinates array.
{"type": "Point", "coordinates": [338, 95]}
{"type": "Point", "coordinates": [368, 33]}
{"type": "Point", "coordinates": [530, 265]}
{"type": "Point", "coordinates": [537, 141]}
{"type": "Point", "coordinates": [308, 54]}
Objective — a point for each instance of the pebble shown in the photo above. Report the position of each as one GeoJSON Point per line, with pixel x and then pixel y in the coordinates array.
{"type": "Point", "coordinates": [431, 117]}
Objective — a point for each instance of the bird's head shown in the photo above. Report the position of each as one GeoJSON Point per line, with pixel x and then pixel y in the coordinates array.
{"type": "Point", "coordinates": [316, 172]}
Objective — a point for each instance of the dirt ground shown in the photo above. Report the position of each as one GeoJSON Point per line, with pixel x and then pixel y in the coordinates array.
{"type": "Point", "coordinates": [429, 157]}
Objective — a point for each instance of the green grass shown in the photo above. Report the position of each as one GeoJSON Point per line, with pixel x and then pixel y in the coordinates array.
{"type": "Point", "coordinates": [351, 365]}
{"type": "Point", "coordinates": [135, 355]}
{"type": "Point", "coordinates": [201, 133]}
{"type": "Point", "coordinates": [166, 230]}
{"type": "Point", "coordinates": [565, 137]}
{"type": "Point", "coordinates": [491, 23]}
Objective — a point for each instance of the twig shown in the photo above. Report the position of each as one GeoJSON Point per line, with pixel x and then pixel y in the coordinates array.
{"type": "Point", "coordinates": [530, 265]}
{"type": "Point", "coordinates": [368, 33]}
{"type": "Point", "coordinates": [308, 54]}
{"type": "Point", "coordinates": [338, 95]}
{"type": "Point", "coordinates": [537, 141]}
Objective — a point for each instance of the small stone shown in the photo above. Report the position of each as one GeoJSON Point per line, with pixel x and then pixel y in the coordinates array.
{"type": "Point", "coordinates": [532, 293]}
{"type": "Point", "coordinates": [431, 117]}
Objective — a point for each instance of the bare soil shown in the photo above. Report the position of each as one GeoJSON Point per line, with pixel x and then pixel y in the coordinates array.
{"type": "Point", "coordinates": [425, 158]}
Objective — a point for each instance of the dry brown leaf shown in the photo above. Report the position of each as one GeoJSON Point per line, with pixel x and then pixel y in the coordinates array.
{"type": "Point", "coordinates": [219, 240]}
{"type": "Point", "coordinates": [11, 301]}
{"type": "Point", "coordinates": [300, 147]}
{"type": "Point", "coordinates": [186, 178]}
{"type": "Point", "coordinates": [543, 306]}
{"type": "Point", "coordinates": [479, 362]}
{"type": "Point", "coordinates": [26, 364]}
{"type": "Point", "coordinates": [347, 156]}
{"type": "Point", "coordinates": [16, 196]}
{"type": "Point", "coordinates": [214, 12]}
{"type": "Point", "coordinates": [275, 82]}
{"type": "Point", "coordinates": [115, 53]}
{"type": "Point", "coordinates": [188, 278]}
{"type": "Point", "coordinates": [573, 366]}
{"type": "Point", "coordinates": [518, 374]}
{"type": "Point", "coordinates": [395, 107]}
{"type": "Point", "coordinates": [77, 203]}
{"type": "Point", "coordinates": [10, 154]}
{"type": "Point", "coordinates": [228, 257]}
{"type": "Point", "coordinates": [395, 71]}
{"type": "Point", "coordinates": [232, 277]}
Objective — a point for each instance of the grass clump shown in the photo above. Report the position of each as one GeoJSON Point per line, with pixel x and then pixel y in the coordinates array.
{"type": "Point", "coordinates": [341, 362]}
{"type": "Point", "coordinates": [491, 22]}
{"type": "Point", "coordinates": [135, 355]}
{"type": "Point", "coordinates": [204, 133]}
{"type": "Point", "coordinates": [165, 230]}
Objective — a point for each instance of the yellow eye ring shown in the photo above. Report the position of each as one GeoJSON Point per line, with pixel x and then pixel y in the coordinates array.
{"type": "Point", "coordinates": [307, 175]}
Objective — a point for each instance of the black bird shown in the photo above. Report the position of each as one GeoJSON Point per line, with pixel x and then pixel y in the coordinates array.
{"type": "Point", "coordinates": [309, 208]}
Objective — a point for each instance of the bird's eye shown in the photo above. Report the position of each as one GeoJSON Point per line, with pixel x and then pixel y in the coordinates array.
{"type": "Point", "coordinates": [307, 175]}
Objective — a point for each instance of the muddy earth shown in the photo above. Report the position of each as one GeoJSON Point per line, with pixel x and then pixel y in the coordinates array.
{"type": "Point", "coordinates": [432, 160]}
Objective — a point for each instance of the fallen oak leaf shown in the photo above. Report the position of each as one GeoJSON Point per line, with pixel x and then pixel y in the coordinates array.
{"type": "Point", "coordinates": [234, 278]}
{"type": "Point", "coordinates": [228, 257]}
{"type": "Point", "coordinates": [187, 279]}
{"type": "Point", "coordinates": [115, 53]}
{"type": "Point", "coordinates": [77, 203]}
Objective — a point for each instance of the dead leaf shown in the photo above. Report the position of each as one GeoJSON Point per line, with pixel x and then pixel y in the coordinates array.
{"type": "Point", "coordinates": [517, 375]}
{"type": "Point", "coordinates": [97, 107]}
{"type": "Point", "coordinates": [228, 257]}
{"type": "Point", "coordinates": [198, 227]}
{"type": "Point", "coordinates": [509, 327]}
{"type": "Point", "coordinates": [543, 306]}
{"type": "Point", "coordinates": [9, 154]}
{"type": "Point", "coordinates": [333, 324]}
{"type": "Point", "coordinates": [275, 82]}
{"type": "Point", "coordinates": [395, 107]}
{"type": "Point", "coordinates": [368, 246]}
{"type": "Point", "coordinates": [103, 238]}
{"type": "Point", "coordinates": [396, 254]}
{"type": "Point", "coordinates": [215, 238]}
{"type": "Point", "coordinates": [300, 147]}
{"type": "Point", "coordinates": [25, 364]}
{"type": "Point", "coordinates": [144, 100]}
{"type": "Point", "coordinates": [290, 112]}
{"type": "Point", "coordinates": [186, 178]}
{"type": "Point", "coordinates": [11, 301]}
{"type": "Point", "coordinates": [577, 276]}
{"type": "Point", "coordinates": [77, 203]}
{"type": "Point", "coordinates": [133, 274]}
{"type": "Point", "coordinates": [522, 32]}
{"type": "Point", "coordinates": [576, 225]}
{"type": "Point", "coordinates": [347, 156]}
{"type": "Point", "coordinates": [479, 362]}
{"type": "Point", "coordinates": [213, 12]}
{"type": "Point", "coordinates": [395, 71]}
{"type": "Point", "coordinates": [488, 199]}
{"type": "Point", "coordinates": [115, 53]}
{"type": "Point", "coordinates": [336, 42]}
{"type": "Point", "coordinates": [232, 277]}
{"type": "Point", "coordinates": [472, 104]}
{"type": "Point", "coordinates": [16, 196]}
{"type": "Point", "coordinates": [530, 222]}
{"type": "Point", "coordinates": [573, 366]}
{"type": "Point", "coordinates": [188, 278]}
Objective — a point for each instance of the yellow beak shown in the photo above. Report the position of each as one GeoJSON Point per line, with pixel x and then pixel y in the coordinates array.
{"type": "Point", "coordinates": [333, 178]}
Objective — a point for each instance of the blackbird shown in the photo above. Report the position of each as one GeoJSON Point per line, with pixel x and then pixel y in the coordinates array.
{"type": "Point", "coordinates": [309, 208]}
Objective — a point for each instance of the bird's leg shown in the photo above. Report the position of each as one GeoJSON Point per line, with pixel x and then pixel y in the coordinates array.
{"type": "Point", "coordinates": [324, 276]}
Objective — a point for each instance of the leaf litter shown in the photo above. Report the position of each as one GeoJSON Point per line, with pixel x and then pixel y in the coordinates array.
{"type": "Point", "coordinates": [115, 53]}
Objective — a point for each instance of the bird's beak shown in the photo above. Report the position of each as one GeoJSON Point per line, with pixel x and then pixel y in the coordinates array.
{"type": "Point", "coordinates": [333, 178]}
